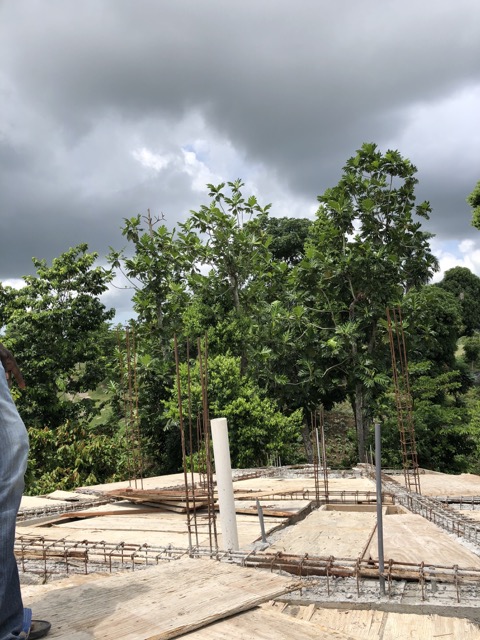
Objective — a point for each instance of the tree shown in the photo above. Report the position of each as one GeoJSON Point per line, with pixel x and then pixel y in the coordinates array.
{"type": "Point", "coordinates": [235, 254]}
{"type": "Point", "coordinates": [474, 201]}
{"type": "Point", "coordinates": [471, 350]}
{"type": "Point", "coordinates": [201, 278]}
{"type": "Point", "coordinates": [288, 237]}
{"type": "Point", "coordinates": [431, 324]}
{"type": "Point", "coordinates": [465, 286]}
{"type": "Point", "coordinates": [258, 431]}
{"type": "Point", "coordinates": [57, 327]}
{"type": "Point", "coordinates": [364, 252]}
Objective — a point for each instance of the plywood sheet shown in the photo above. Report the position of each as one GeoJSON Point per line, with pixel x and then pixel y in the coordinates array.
{"type": "Point", "coordinates": [416, 627]}
{"type": "Point", "coordinates": [291, 507]}
{"type": "Point", "coordinates": [445, 484]}
{"type": "Point", "coordinates": [280, 485]}
{"type": "Point", "coordinates": [152, 538]}
{"type": "Point", "coordinates": [70, 496]}
{"type": "Point", "coordinates": [155, 604]}
{"type": "Point", "coordinates": [411, 538]}
{"type": "Point", "coordinates": [157, 482]}
{"type": "Point", "coordinates": [157, 529]}
{"type": "Point", "coordinates": [361, 624]}
{"type": "Point", "coordinates": [34, 502]}
{"type": "Point", "coordinates": [261, 624]}
{"type": "Point", "coordinates": [328, 533]}
{"type": "Point", "coordinates": [373, 625]}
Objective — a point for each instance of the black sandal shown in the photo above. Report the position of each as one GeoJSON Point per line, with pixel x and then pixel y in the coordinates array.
{"type": "Point", "coordinates": [38, 629]}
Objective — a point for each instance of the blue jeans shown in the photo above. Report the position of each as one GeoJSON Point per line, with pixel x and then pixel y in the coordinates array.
{"type": "Point", "coordinates": [13, 464]}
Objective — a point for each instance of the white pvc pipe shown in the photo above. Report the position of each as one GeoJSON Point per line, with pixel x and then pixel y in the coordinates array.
{"type": "Point", "coordinates": [223, 472]}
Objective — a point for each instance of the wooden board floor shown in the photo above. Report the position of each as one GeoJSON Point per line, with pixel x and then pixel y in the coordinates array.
{"type": "Point", "coordinates": [157, 529]}
{"type": "Point", "coordinates": [410, 538]}
{"type": "Point", "coordinates": [312, 623]}
{"type": "Point", "coordinates": [328, 533]}
{"type": "Point", "coordinates": [155, 604]}
{"type": "Point", "coordinates": [444, 484]}
{"type": "Point", "coordinates": [259, 624]}
{"type": "Point", "coordinates": [280, 485]}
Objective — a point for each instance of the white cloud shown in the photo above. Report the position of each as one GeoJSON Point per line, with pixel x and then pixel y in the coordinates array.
{"type": "Point", "coordinates": [462, 254]}
{"type": "Point", "coordinates": [15, 283]}
{"type": "Point", "coordinates": [151, 160]}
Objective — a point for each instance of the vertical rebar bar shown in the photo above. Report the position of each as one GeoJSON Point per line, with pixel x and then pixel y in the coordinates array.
{"type": "Point", "coordinates": [324, 453]}
{"type": "Point", "coordinates": [182, 441]}
{"type": "Point", "coordinates": [378, 478]}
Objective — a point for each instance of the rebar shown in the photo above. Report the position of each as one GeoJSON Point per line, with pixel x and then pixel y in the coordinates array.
{"type": "Point", "coordinates": [46, 557]}
{"type": "Point", "coordinates": [403, 398]}
{"type": "Point", "coordinates": [182, 440]}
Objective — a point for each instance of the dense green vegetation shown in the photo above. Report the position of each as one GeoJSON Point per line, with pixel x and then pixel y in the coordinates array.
{"type": "Point", "coordinates": [293, 312]}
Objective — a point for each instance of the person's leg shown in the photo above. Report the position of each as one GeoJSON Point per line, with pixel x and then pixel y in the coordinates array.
{"type": "Point", "coordinates": [13, 464]}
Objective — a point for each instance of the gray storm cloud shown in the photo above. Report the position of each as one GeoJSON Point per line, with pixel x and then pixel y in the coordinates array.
{"type": "Point", "coordinates": [279, 92]}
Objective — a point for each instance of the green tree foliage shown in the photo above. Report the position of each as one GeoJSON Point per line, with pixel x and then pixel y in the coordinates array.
{"type": "Point", "coordinates": [237, 261]}
{"type": "Point", "coordinates": [471, 350]}
{"type": "Point", "coordinates": [364, 252]}
{"type": "Point", "coordinates": [73, 455]}
{"type": "Point", "coordinates": [465, 286]}
{"type": "Point", "coordinates": [212, 276]}
{"type": "Point", "coordinates": [258, 431]}
{"type": "Point", "coordinates": [288, 238]}
{"type": "Point", "coordinates": [431, 323]}
{"type": "Point", "coordinates": [474, 201]}
{"type": "Point", "coordinates": [57, 328]}
{"type": "Point", "coordinates": [444, 442]}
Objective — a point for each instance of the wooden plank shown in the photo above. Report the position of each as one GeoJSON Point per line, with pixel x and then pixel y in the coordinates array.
{"type": "Point", "coordinates": [156, 604]}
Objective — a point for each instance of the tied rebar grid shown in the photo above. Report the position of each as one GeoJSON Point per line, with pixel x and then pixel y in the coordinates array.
{"type": "Point", "coordinates": [332, 569]}
{"type": "Point", "coordinates": [54, 509]}
{"type": "Point", "coordinates": [47, 558]}
{"type": "Point", "coordinates": [203, 448]}
{"type": "Point", "coordinates": [403, 398]}
{"type": "Point", "coordinates": [435, 511]}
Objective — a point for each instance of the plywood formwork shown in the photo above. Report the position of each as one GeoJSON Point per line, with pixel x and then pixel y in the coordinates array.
{"type": "Point", "coordinates": [335, 624]}
{"type": "Point", "coordinates": [155, 604]}
{"type": "Point", "coordinates": [365, 624]}
{"type": "Point", "coordinates": [283, 485]}
{"type": "Point", "coordinates": [473, 514]}
{"type": "Point", "coordinates": [156, 482]}
{"type": "Point", "coordinates": [410, 538]}
{"type": "Point", "coordinates": [156, 529]}
{"type": "Point", "coordinates": [444, 484]}
{"type": "Point", "coordinates": [400, 626]}
{"type": "Point", "coordinates": [259, 624]}
{"type": "Point", "coordinates": [327, 533]}
{"type": "Point", "coordinates": [34, 502]}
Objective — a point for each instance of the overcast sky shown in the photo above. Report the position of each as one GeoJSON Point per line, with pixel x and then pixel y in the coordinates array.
{"type": "Point", "coordinates": [111, 107]}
